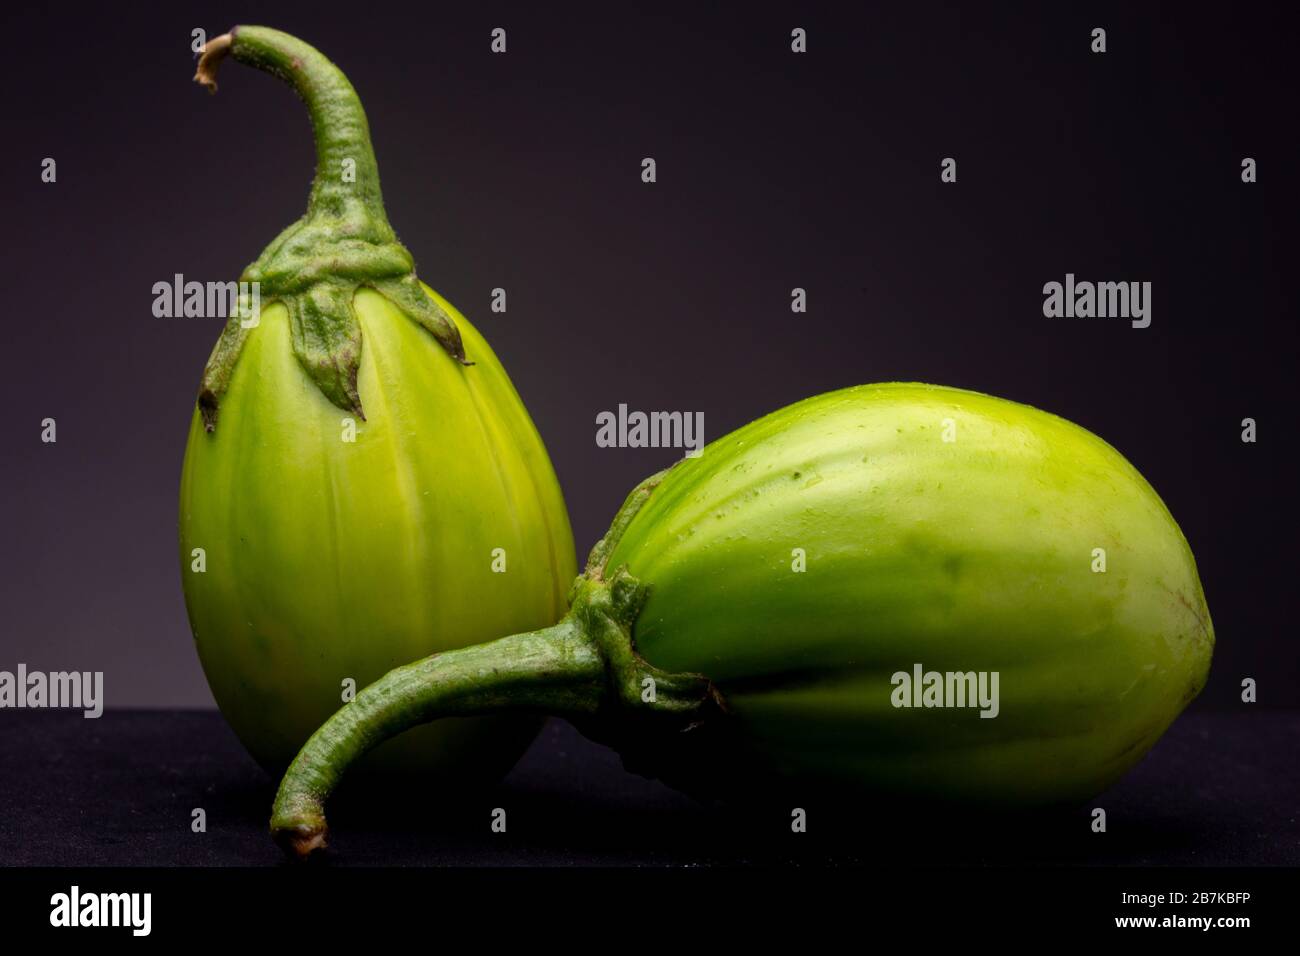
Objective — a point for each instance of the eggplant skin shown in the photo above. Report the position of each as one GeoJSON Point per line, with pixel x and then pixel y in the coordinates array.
{"type": "Point", "coordinates": [328, 559]}
{"type": "Point", "coordinates": [972, 554]}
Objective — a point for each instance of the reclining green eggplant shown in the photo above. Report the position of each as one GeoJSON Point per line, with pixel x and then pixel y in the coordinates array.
{"type": "Point", "coordinates": [763, 610]}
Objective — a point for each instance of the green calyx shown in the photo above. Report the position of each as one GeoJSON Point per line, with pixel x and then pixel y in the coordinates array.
{"type": "Point", "coordinates": [344, 242]}
{"type": "Point", "coordinates": [584, 668]}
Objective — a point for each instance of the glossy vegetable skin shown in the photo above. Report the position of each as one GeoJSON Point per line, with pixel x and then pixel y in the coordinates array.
{"type": "Point", "coordinates": [362, 484]}
{"type": "Point", "coordinates": [975, 554]}
{"type": "Point", "coordinates": [746, 616]}
{"type": "Point", "coordinates": [329, 559]}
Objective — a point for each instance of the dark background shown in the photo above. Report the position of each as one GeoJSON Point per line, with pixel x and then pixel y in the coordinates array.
{"type": "Point", "coordinates": [775, 171]}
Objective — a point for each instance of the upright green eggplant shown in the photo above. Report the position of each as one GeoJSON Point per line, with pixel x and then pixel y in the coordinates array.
{"type": "Point", "coordinates": [357, 492]}
{"type": "Point", "coordinates": [823, 595]}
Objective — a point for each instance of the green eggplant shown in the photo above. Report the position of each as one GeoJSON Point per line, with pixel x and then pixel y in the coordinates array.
{"type": "Point", "coordinates": [362, 484]}
{"type": "Point", "coordinates": [791, 605]}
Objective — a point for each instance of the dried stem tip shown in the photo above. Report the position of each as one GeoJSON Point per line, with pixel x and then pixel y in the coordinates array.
{"type": "Point", "coordinates": [210, 57]}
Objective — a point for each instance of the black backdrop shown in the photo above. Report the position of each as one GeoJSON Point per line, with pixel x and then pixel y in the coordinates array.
{"type": "Point", "coordinates": [775, 171]}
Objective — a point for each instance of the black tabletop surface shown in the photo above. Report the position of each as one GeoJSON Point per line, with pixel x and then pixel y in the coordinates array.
{"type": "Point", "coordinates": [1218, 789]}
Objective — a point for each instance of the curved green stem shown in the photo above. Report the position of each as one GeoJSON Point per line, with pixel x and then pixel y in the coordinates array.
{"type": "Point", "coordinates": [337, 120]}
{"type": "Point", "coordinates": [581, 667]}
{"type": "Point", "coordinates": [554, 670]}
{"type": "Point", "coordinates": [315, 266]}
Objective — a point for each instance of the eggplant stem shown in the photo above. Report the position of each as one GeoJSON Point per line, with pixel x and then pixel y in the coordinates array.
{"type": "Point", "coordinates": [553, 670]}
{"type": "Point", "coordinates": [344, 241]}
{"type": "Point", "coordinates": [210, 57]}
{"type": "Point", "coordinates": [582, 667]}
